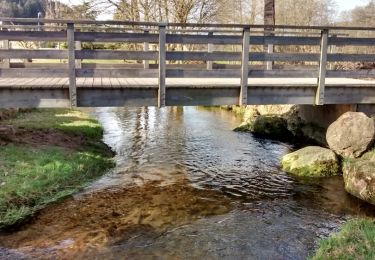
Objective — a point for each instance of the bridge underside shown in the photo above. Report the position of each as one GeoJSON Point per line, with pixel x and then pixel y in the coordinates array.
{"type": "Point", "coordinates": [116, 92]}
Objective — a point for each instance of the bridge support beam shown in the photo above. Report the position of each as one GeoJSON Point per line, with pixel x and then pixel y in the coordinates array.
{"type": "Point", "coordinates": [6, 62]}
{"type": "Point", "coordinates": [210, 49]}
{"type": "Point", "coordinates": [6, 45]}
{"type": "Point", "coordinates": [245, 66]}
{"type": "Point", "coordinates": [319, 99]}
{"type": "Point", "coordinates": [78, 47]}
{"type": "Point", "coordinates": [72, 65]}
{"type": "Point", "coordinates": [146, 47]}
{"type": "Point", "coordinates": [162, 64]}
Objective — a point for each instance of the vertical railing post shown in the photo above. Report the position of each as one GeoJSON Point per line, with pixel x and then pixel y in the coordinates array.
{"type": "Point", "coordinates": [162, 64]}
{"type": "Point", "coordinates": [6, 46]}
{"type": "Point", "coordinates": [269, 64]}
{"type": "Point", "coordinates": [319, 99]}
{"type": "Point", "coordinates": [72, 65]}
{"type": "Point", "coordinates": [6, 62]}
{"type": "Point", "coordinates": [245, 66]}
{"type": "Point", "coordinates": [332, 49]}
{"type": "Point", "coordinates": [210, 49]}
{"type": "Point", "coordinates": [78, 47]}
{"type": "Point", "coordinates": [146, 63]}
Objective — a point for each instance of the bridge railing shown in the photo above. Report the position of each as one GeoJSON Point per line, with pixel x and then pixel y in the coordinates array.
{"type": "Point", "coordinates": [183, 51]}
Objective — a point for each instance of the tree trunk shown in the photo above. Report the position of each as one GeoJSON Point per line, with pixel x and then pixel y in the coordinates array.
{"type": "Point", "coordinates": [269, 12]}
{"type": "Point", "coordinates": [269, 19]}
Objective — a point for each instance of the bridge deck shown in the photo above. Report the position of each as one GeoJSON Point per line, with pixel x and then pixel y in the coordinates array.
{"type": "Point", "coordinates": [224, 67]}
{"type": "Point", "coordinates": [179, 82]}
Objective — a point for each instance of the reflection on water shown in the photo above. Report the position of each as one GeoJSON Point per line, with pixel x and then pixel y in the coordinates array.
{"type": "Point", "coordinates": [186, 186]}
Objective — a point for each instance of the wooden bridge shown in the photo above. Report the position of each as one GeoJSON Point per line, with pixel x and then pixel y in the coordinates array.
{"type": "Point", "coordinates": [54, 63]}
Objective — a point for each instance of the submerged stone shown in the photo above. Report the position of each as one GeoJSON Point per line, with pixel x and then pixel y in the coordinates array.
{"type": "Point", "coordinates": [311, 161]}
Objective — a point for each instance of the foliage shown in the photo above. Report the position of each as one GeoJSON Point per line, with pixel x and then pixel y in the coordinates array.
{"type": "Point", "coordinates": [302, 12]}
{"type": "Point", "coordinates": [182, 11]}
{"type": "Point", "coordinates": [360, 16]}
{"type": "Point", "coordinates": [21, 8]}
{"type": "Point", "coordinates": [48, 8]}
{"type": "Point", "coordinates": [58, 10]}
{"type": "Point", "coordinates": [356, 240]}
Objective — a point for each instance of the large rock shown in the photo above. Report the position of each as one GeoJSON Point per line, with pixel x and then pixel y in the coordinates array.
{"type": "Point", "coordinates": [269, 126]}
{"type": "Point", "coordinates": [351, 134]}
{"type": "Point", "coordinates": [311, 161]}
{"type": "Point", "coordinates": [288, 120]}
{"type": "Point", "coordinates": [359, 178]}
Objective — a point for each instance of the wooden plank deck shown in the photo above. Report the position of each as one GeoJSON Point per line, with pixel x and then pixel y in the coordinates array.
{"type": "Point", "coordinates": [106, 82]}
{"type": "Point", "coordinates": [115, 92]}
{"type": "Point", "coordinates": [301, 76]}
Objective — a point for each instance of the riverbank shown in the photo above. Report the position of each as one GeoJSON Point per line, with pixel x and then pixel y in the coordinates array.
{"type": "Point", "coordinates": [356, 240]}
{"type": "Point", "coordinates": [176, 192]}
{"type": "Point", "coordinates": [47, 155]}
{"type": "Point", "coordinates": [357, 236]}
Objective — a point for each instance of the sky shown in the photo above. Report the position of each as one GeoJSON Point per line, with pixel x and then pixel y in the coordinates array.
{"type": "Point", "coordinates": [342, 5]}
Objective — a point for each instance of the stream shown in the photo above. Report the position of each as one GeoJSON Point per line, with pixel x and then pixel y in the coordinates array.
{"type": "Point", "coordinates": [186, 186]}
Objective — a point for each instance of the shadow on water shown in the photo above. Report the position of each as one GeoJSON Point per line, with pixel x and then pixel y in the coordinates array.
{"type": "Point", "coordinates": [186, 186]}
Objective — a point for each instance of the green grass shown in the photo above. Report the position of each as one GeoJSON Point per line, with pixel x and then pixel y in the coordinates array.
{"type": "Point", "coordinates": [356, 240]}
{"type": "Point", "coordinates": [66, 120]}
{"type": "Point", "coordinates": [32, 177]}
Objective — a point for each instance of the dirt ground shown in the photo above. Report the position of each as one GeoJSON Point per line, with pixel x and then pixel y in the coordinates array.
{"type": "Point", "coordinates": [40, 138]}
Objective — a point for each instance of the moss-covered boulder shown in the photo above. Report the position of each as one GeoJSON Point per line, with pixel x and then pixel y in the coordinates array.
{"type": "Point", "coordinates": [359, 177]}
{"type": "Point", "coordinates": [269, 126]}
{"type": "Point", "coordinates": [311, 161]}
{"type": "Point", "coordinates": [280, 122]}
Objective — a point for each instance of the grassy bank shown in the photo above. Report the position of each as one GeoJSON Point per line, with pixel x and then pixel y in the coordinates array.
{"type": "Point", "coordinates": [52, 153]}
{"type": "Point", "coordinates": [356, 240]}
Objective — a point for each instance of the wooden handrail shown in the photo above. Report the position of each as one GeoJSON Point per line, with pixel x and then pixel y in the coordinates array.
{"type": "Point", "coordinates": [185, 25]}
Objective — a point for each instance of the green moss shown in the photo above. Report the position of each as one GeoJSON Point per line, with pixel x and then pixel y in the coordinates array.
{"type": "Point", "coordinates": [319, 169]}
{"type": "Point", "coordinates": [243, 128]}
{"type": "Point", "coordinates": [269, 126]}
{"type": "Point", "coordinates": [238, 110]}
{"type": "Point", "coordinates": [311, 161]}
{"type": "Point", "coordinates": [356, 240]}
{"type": "Point", "coordinates": [32, 177]}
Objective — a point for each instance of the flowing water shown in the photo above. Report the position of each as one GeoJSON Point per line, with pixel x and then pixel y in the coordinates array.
{"type": "Point", "coordinates": [187, 187]}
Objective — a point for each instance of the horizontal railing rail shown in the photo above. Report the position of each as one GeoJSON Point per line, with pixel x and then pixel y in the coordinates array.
{"type": "Point", "coordinates": [183, 25]}
{"type": "Point", "coordinates": [239, 54]}
{"type": "Point", "coordinates": [182, 39]}
{"type": "Point", "coordinates": [181, 56]}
